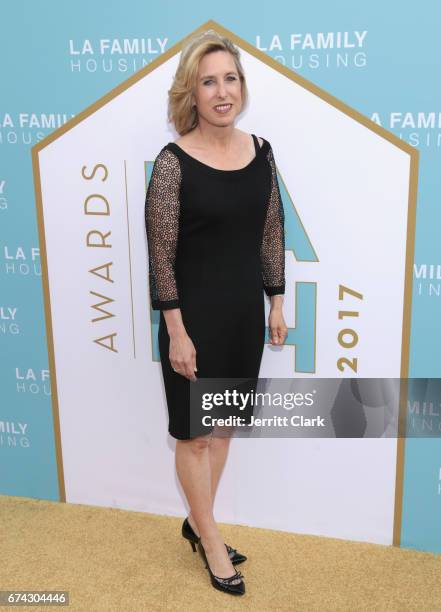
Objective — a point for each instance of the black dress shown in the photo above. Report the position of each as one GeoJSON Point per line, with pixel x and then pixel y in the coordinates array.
{"type": "Point", "coordinates": [215, 243]}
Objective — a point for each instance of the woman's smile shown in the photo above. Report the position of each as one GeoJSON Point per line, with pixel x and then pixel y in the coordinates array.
{"type": "Point", "coordinates": [223, 108]}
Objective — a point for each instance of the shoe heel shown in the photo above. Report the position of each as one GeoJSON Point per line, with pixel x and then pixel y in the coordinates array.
{"type": "Point", "coordinates": [189, 534]}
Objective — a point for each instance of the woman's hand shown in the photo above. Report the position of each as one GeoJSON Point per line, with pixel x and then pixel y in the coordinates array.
{"type": "Point", "coordinates": [276, 323]}
{"type": "Point", "coordinates": [182, 354]}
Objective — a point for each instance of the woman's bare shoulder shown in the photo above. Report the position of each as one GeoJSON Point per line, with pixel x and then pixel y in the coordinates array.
{"type": "Point", "coordinates": [181, 140]}
{"type": "Point", "coordinates": [247, 137]}
{"type": "Point", "coordinates": [188, 143]}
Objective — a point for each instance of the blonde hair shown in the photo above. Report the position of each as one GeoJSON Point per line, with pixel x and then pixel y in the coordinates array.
{"type": "Point", "coordinates": [180, 96]}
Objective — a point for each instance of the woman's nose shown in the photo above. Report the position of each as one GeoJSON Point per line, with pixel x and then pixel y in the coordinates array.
{"type": "Point", "coordinates": [221, 91]}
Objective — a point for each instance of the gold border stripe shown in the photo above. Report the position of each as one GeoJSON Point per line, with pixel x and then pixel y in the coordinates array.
{"type": "Point", "coordinates": [49, 330]}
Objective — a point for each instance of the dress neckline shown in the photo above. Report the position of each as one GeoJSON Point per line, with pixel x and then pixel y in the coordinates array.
{"type": "Point", "coordinates": [219, 171]}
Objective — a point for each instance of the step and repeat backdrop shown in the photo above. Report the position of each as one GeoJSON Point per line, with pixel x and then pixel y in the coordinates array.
{"type": "Point", "coordinates": [349, 101]}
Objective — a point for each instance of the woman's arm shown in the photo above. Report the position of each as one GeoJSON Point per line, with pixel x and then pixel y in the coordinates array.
{"type": "Point", "coordinates": [162, 208]}
{"type": "Point", "coordinates": [273, 257]}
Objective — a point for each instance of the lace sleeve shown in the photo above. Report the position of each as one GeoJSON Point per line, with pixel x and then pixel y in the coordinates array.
{"type": "Point", "coordinates": [273, 244]}
{"type": "Point", "coordinates": [162, 208]}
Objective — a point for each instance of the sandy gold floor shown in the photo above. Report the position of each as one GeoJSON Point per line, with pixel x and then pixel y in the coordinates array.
{"type": "Point", "coordinates": [116, 560]}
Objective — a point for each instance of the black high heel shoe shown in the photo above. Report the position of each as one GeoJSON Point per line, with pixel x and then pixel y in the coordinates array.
{"type": "Point", "coordinates": [189, 534]}
{"type": "Point", "coordinates": [228, 584]}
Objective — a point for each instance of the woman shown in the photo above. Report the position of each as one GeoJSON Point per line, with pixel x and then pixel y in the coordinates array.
{"type": "Point", "coordinates": [215, 230]}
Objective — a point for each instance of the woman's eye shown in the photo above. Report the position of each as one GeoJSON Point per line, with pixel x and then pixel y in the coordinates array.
{"type": "Point", "coordinates": [230, 78]}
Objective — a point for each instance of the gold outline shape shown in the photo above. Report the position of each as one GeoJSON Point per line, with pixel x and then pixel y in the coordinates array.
{"type": "Point", "coordinates": [330, 99]}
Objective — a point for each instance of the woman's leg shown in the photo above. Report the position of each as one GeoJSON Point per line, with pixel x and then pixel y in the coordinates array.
{"type": "Point", "coordinates": [195, 475]}
{"type": "Point", "coordinates": [218, 453]}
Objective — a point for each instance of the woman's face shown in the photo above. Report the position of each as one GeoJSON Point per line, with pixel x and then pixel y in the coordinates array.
{"type": "Point", "coordinates": [217, 84]}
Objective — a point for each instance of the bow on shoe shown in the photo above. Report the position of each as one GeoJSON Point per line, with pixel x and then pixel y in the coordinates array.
{"type": "Point", "coordinates": [237, 576]}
